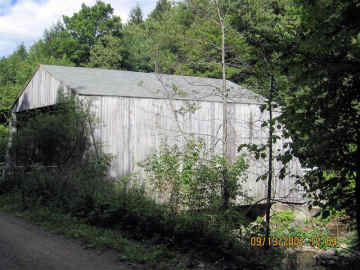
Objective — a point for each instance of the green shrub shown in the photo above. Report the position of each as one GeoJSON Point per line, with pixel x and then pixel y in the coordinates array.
{"type": "Point", "coordinates": [132, 211]}
{"type": "Point", "coordinates": [282, 221]}
{"type": "Point", "coordinates": [191, 178]}
{"type": "Point", "coordinates": [59, 136]}
{"type": "Point", "coordinates": [60, 164]}
{"type": "Point", "coordinates": [76, 191]}
{"type": "Point", "coordinates": [4, 133]}
{"type": "Point", "coordinates": [316, 236]}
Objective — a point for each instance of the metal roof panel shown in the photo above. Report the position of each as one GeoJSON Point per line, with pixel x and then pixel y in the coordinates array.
{"type": "Point", "coordinates": [103, 82]}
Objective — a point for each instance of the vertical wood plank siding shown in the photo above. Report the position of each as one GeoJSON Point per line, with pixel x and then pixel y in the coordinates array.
{"type": "Point", "coordinates": [133, 128]}
{"type": "Point", "coordinates": [41, 91]}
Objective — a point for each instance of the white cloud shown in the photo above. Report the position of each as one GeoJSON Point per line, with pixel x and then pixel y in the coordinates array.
{"type": "Point", "coordinates": [27, 19]}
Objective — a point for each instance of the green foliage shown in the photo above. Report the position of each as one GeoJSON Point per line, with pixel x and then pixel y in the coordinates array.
{"type": "Point", "coordinates": [110, 53]}
{"type": "Point", "coordinates": [339, 195]}
{"type": "Point", "coordinates": [57, 43]}
{"type": "Point", "coordinates": [16, 69]}
{"type": "Point", "coordinates": [321, 109]}
{"type": "Point", "coordinates": [162, 6]}
{"type": "Point", "coordinates": [60, 166]}
{"type": "Point", "coordinates": [252, 229]}
{"type": "Point", "coordinates": [284, 217]}
{"type": "Point", "coordinates": [4, 133]}
{"type": "Point", "coordinates": [191, 179]}
{"type": "Point", "coordinates": [138, 46]}
{"type": "Point", "coordinates": [210, 232]}
{"type": "Point", "coordinates": [120, 207]}
{"type": "Point", "coordinates": [152, 253]}
{"type": "Point", "coordinates": [89, 25]}
{"type": "Point", "coordinates": [163, 39]}
{"type": "Point", "coordinates": [316, 234]}
{"type": "Point", "coordinates": [73, 190]}
{"type": "Point", "coordinates": [57, 137]}
{"type": "Point", "coordinates": [202, 40]}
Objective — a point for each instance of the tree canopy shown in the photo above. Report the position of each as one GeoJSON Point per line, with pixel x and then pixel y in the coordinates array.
{"type": "Point", "coordinates": [322, 109]}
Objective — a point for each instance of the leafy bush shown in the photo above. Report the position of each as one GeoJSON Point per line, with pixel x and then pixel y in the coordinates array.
{"type": "Point", "coordinates": [57, 136]}
{"type": "Point", "coordinates": [191, 178]}
{"type": "Point", "coordinates": [282, 220]}
{"type": "Point", "coordinates": [62, 138]}
{"type": "Point", "coordinates": [340, 190]}
{"type": "Point", "coordinates": [73, 190]}
{"type": "Point", "coordinates": [132, 211]}
{"type": "Point", "coordinates": [316, 236]}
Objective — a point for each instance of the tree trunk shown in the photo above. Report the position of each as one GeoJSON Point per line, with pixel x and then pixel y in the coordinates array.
{"type": "Point", "coordinates": [225, 94]}
{"type": "Point", "coordinates": [357, 198]}
{"type": "Point", "coordinates": [270, 169]}
{"type": "Point", "coordinates": [10, 161]}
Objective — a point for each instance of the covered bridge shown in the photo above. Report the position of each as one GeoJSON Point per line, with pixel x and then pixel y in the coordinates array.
{"type": "Point", "coordinates": [138, 111]}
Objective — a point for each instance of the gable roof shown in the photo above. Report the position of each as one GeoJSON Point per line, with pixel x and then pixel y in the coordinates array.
{"type": "Point", "coordinates": [103, 82]}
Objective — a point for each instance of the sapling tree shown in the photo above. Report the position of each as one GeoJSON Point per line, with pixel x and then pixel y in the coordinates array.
{"type": "Point", "coordinates": [212, 37]}
{"type": "Point", "coordinates": [264, 35]}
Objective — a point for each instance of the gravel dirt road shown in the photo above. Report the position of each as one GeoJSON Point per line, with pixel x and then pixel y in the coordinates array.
{"type": "Point", "coordinates": [24, 246]}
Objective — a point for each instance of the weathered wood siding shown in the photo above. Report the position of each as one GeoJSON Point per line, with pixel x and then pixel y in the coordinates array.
{"type": "Point", "coordinates": [132, 128]}
{"type": "Point", "coordinates": [41, 91]}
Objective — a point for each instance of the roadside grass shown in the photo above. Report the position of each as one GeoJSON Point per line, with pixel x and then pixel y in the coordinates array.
{"type": "Point", "coordinates": [141, 251]}
{"type": "Point", "coordinates": [80, 205]}
{"type": "Point", "coordinates": [92, 236]}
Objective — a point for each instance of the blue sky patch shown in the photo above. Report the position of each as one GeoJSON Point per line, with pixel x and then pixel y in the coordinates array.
{"type": "Point", "coordinates": [24, 21]}
{"type": "Point", "coordinates": [5, 6]}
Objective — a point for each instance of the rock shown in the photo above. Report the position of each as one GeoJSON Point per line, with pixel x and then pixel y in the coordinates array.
{"type": "Point", "coordinates": [326, 259]}
{"type": "Point", "coordinates": [337, 260]}
{"type": "Point", "coordinates": [240, 260]}
{"type": "Point", "coordinates": [229, 267]}
{"type": "Point", "coordinates": [331, 251]}
{"type": "Point", "coordinates": [347, 255]}
{"type": "Point", "coordinates": [189, 263]}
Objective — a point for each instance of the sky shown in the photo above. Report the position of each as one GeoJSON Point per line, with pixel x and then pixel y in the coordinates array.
{"type": "Point", "coordinates": [24, 21]}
